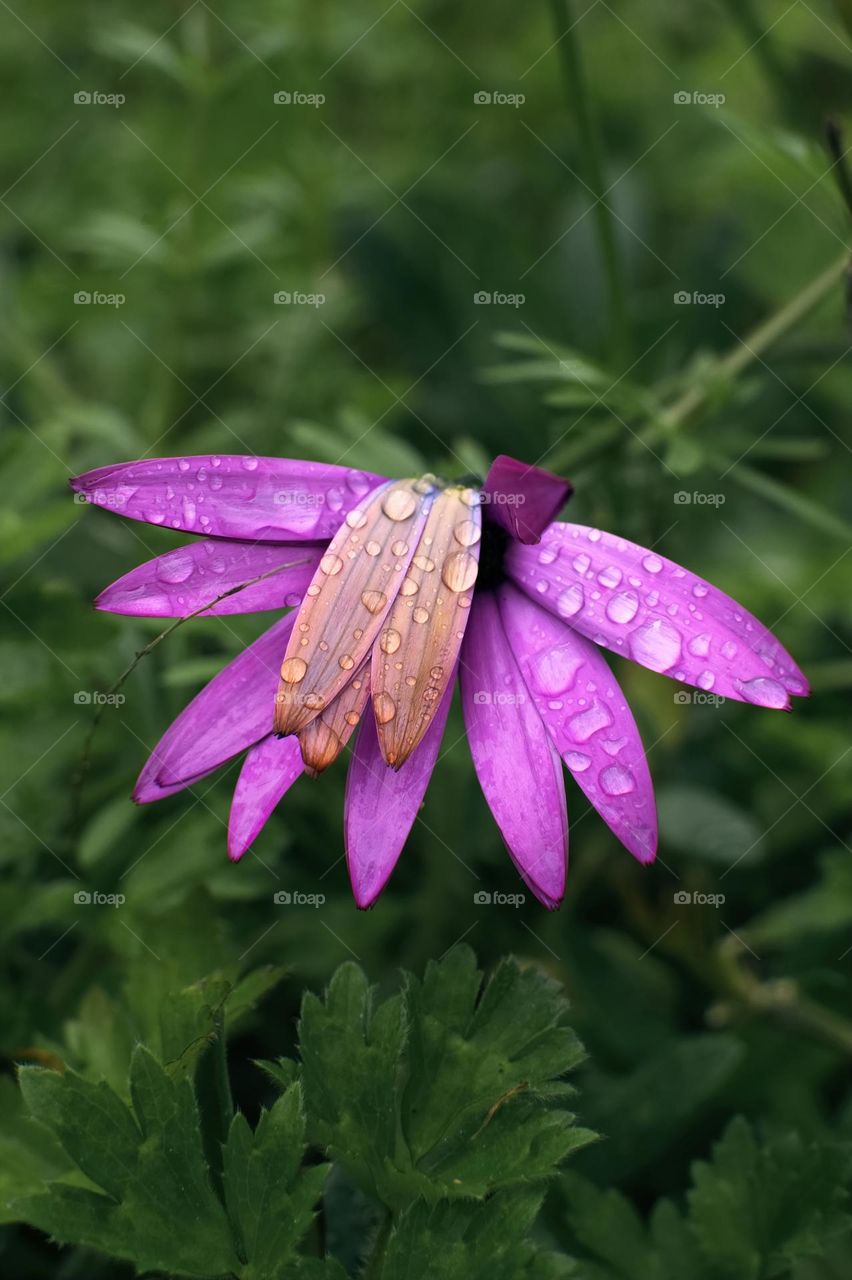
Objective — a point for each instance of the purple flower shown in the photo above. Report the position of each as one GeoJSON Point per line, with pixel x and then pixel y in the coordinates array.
{"type": "Point", "coordinates": [380, 577]}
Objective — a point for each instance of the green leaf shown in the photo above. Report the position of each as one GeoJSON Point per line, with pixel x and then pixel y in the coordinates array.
{"type": "Point", "coordinates": [451, 1089]}
{"type": "Point", "coordinates": [705, 824]}
{"type": "Point", "coordinates": [821, 910]}
{"type": "Point", "coordinates": [270, 1198]}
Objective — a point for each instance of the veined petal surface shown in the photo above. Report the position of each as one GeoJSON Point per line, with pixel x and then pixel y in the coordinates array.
{"type": "Point", "coordinates": [269, 770]}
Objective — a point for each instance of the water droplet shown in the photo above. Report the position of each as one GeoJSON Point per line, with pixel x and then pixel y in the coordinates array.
{"type": "Point", "coordinates": [612, 746]}
{"type": "Point", "coordinates": [577, 762]}
{"type": "Point", "coordinates": [390, 641]}
{"type": "Point", "coordinates": [358, 482]}
{"type": "Point", "coordinates": [729, 649]}
{"type": "Point", "coordinates": [384, 707]}
{"type": "Point", "coordinates": [706, 680]}
{"type": "Point", "coordinates": [347, 662]}
{"type": "Point", "coordinates": [183, 464]}
{"type": "Point", "coordinates": [656, 645]}
{"type": "Point", "coordinates": [610, 576]}
{"type": "Point", "coordinates": [459, 571]}
{"type": "Point", "coordinates": [585, 723]}
{"type": "Point", "coordinates": [352, 718]}
{"type": "Point", "coordinates": [409, 587]}
{"type": "Point", "coordinates": [331, 564]}
{"type": "Point", "coordinates": [374, 601]}
{"type": "Point", "coordinates": [594, 535]}
{"type": "Point", "coordinates": [373, 548]}
{"type": "Point", "coordinates": [356, 519]}
{"type": "Point", "coordinates": [467, 533]}
{"type": "Point", "coordinates": [652, 563]}
{"type": "Point", "coordinates": [314, 701]}
{"type": "Point", "coordinates": [399, 548]}
{"type": "Point", "coordinates": [542, 586]}
{"type": "Point", "coordinates": [553, 671]}
{"type": "Point", "coordinates": [570, 601]}
{"type": "Point", "coordinates": [249, 464]}
{"type": "Point", "coordinates": [623, 607]}
{"type": "Point", "coordinates": [765, 692]}
{"type": "Point", "coordinates": [582, 563]}
{"type": "Point", "coordinates": [313, 589]}
{"type": "Point", "coordinates": [399, 504]}
{"type": "Point", "coordinates": [423, 563]}
{"type": "Point", "coordinates": [464, 603]}
{"type": "Point", "coordinates": [699, 590]}
{"type": "Point", "coordinates": [420, 615]}
{"type": "Point", "coordinates": [699, 646]}
{"type": "Point", "coordinates": [617, 781]}
{"type": "Point", "coordinates": [293, 670]}
{"type": "Point", "coordinates": [436, 673]}
{"type": "Point", "coordinates": [548, 554]}
{"type": "Point", "coordinates": [175, 568]}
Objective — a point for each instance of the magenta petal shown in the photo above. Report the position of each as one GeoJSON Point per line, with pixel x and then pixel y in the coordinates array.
{"type": "Point", "coordinates": [270, 768]}
{"type": "Point", "coordinates": [182, 581]}
{"type": "Point", "coordinates": [221, 496]}
{"type": "Point", "coordinates": [231, 713]}
{"type": "Point", "coordinates": [523, 499]}
{"type": "Point", "coordinates": [382, 803]}
{"type": "Point", "coordinates": [585, 712]}
{"type": "Point", "coordinates": [518, 767]}
{"type": "Point", "coordinates": [638, 604]}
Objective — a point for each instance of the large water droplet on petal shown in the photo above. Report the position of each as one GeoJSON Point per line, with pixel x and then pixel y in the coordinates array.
{"type": "Point", "coordinates": [570, 601]}
{"type": "Point", "coordinates": [384, 707]}
{"type": "Point", "coordinates": [293, 670]}
{"type": "Point", "coordinates": [175, 568]}
{"type": "Point", "coordinates": [553, 671]}
{"type": "Point", "coordinates": [374, 601]}
{"type": "Point", "coordinates": [399, 504]}
{"type": "Point", "coordinates": [390, 641]}
{"type": "Point", "coordinates": [577, 762]}
{"type": "Point", "coordinates": [656, 645]}
{"type": "Point", "coordinates": [459, 571]}
{"type": "Point", "coordinates": [617, 781]}
{"type": "Point", "coordinates": [623, 607]}
{"type": "Point", "coordinates": [331, 564]}
{"type": "Point", "coordinates": [699, 646]}
{"type": "Point", "coordinates": [765, 692]}
{"type": "Point", "coordinates": [585, 723]}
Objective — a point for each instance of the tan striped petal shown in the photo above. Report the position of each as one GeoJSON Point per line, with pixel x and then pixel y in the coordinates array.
{"type": "Point", "coordinates": [349, 596]}
{"type": "Point", "coordinates": [322, 740]}
{"type": "Point", "coordinates": [419, 643]}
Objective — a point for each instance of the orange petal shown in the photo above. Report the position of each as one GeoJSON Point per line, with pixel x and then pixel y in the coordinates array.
{"type": "Point", "coordinates": [322, 741]}
{"type": "Point", "coordinates": [349, 596]}
{"type": "Point", "coordinates": [419, 643]}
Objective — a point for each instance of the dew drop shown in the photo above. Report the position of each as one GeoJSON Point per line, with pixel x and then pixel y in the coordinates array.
{"type": "Point", "coordinates": [612, 746]}
{"type": "Point", "coordinates": [652, 563]}
{"type": "Point", "coordinates": [577, 762]}
{"type": "Point", "coordinates": [399, 548]}
{"type": "Point", "coordinates": [250, 464]}
{"type": "Point", "coordinates": [373, 548]}
{"type": "Point", "coordinates": [582, 563]}
{"type": "Point", "coordinates": [293, 670]}
{"type": "Point", "coordinates": [553, 671]}
{"type": "Point", "coordinates": [623, 607]}
{"type": "Point", "coordinates": [384, 707]}
{"type": "Point", "coordinates": [765, 692]}
{"type": "Point", "coordinates": [699, 646]}
{"type": "Point", "coordinates": [459, 571]}
{"type": "Point", "coordinates": [356, 519]}
{"type": "Point", "coordinates": [656, 645]}
{"type": "Point", "coordinates": [331, 564]}
{"type": "Point", "coordinates": [699, 590]}
{"type": "Point", "coordinates": [390, 641]}
{"type": "Point", "coordinates": [347, 662]}
{"type": "Point", "coordinates": [352, 718]}
{"type": "Point", "coordinates": [374, 601]}
{"type": "Point", "coordinates": [570, 601]}
{"type": "Point", "coordinates": [617, 781]}
{"type": "Point", "coordinates": [423, 563]}
{"type": "Point", "coordinates": [706, 680]}
{"type": "Point", "coordinates": [175, 568]}
{"type": "Point", "coordinates": [610, 576]}
{"type": "Point", "coordinates": [399, 504]}
{"type": "Point", "coordinates": [547, 555]}
{"type": "Point", "coordinates": [467, 533]}
{"type": "Point", "coordinates": [314, 701]}
{"type": "Point", "coordinates": [409, 587]}
{"type": "Point", "coordinates": [420, 614]}
{"type": "Point", "coordinates": [585, 723]}
{"type": "Point", "coordinates": [729, 649]}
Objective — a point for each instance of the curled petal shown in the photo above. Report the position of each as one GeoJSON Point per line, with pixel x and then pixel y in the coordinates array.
{"type": "Point", "coordinates": [586, 714]}
{"type": "Point", "coordinates": [182, 581]}
{"type": "Point", "coordinates": [222, 496]}
{"type": "Point", "coordinates": [518, 767]}
{"type": "Point", "coordinates": [348, 599]}
{"type": "Point", "coordinates": [270, 768]}
{"type": "Point", "coordinates": [415, 658]}
{"type": "Point", "coordinates": [381, 803]}
{"type": "Point", "coordinates": [523, 500]}
{"type": "Point", "coordinates": [230, 713]}
{"type": "Point", "coordinates": [638, 604]}
{"type": "Point", "coordinates": [327, 734]}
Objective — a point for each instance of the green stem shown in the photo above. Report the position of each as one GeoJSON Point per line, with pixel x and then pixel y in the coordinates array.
{"type": "Point", "coordinates": [580, 106]}
{"type": "Point", "coordinates": [376, 1260]}
{"type": "Point", "coordinates": [750, 348]}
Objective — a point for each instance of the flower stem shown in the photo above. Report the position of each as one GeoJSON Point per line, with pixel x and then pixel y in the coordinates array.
{"type": "Point", "coordinates": [750, 348]}
{"type": "Point", "coordinates": [580, 106]}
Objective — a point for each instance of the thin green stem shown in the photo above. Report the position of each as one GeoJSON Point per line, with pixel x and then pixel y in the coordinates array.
{"type": "Point", "coordinates": [580, 106]}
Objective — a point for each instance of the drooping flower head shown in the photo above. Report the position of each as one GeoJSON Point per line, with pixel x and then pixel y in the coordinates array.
{"type": "Point", "coordinates": [393, 589]}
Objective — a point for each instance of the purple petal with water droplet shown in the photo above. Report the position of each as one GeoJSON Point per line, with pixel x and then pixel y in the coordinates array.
{"type": "Point", "coordinates": [230, 713]}
{"type": "Point", "coordinates": [588, 718]}
{"type": "Point", "coordinates": [636, 603]}
{"type": "Point", "coordinates": [270, 768]}
{"type": "Point", "coordinates": [518, 767]}
{"type": "Point", "coordinates": [522, 499]}
{"type": "Point", "coordinates": [382, 803]}
{"type": "Point", "coordinates": [182, 581]}
{"type": "Point", "coordinates": [227, 496]}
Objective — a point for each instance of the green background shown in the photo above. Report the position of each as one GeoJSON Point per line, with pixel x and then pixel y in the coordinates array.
{"type": "Point", "coordinates": [399, 198]}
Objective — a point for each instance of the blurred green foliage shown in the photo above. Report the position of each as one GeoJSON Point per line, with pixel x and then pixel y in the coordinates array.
{"type": "Point", "coordinates": [399, 198]}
